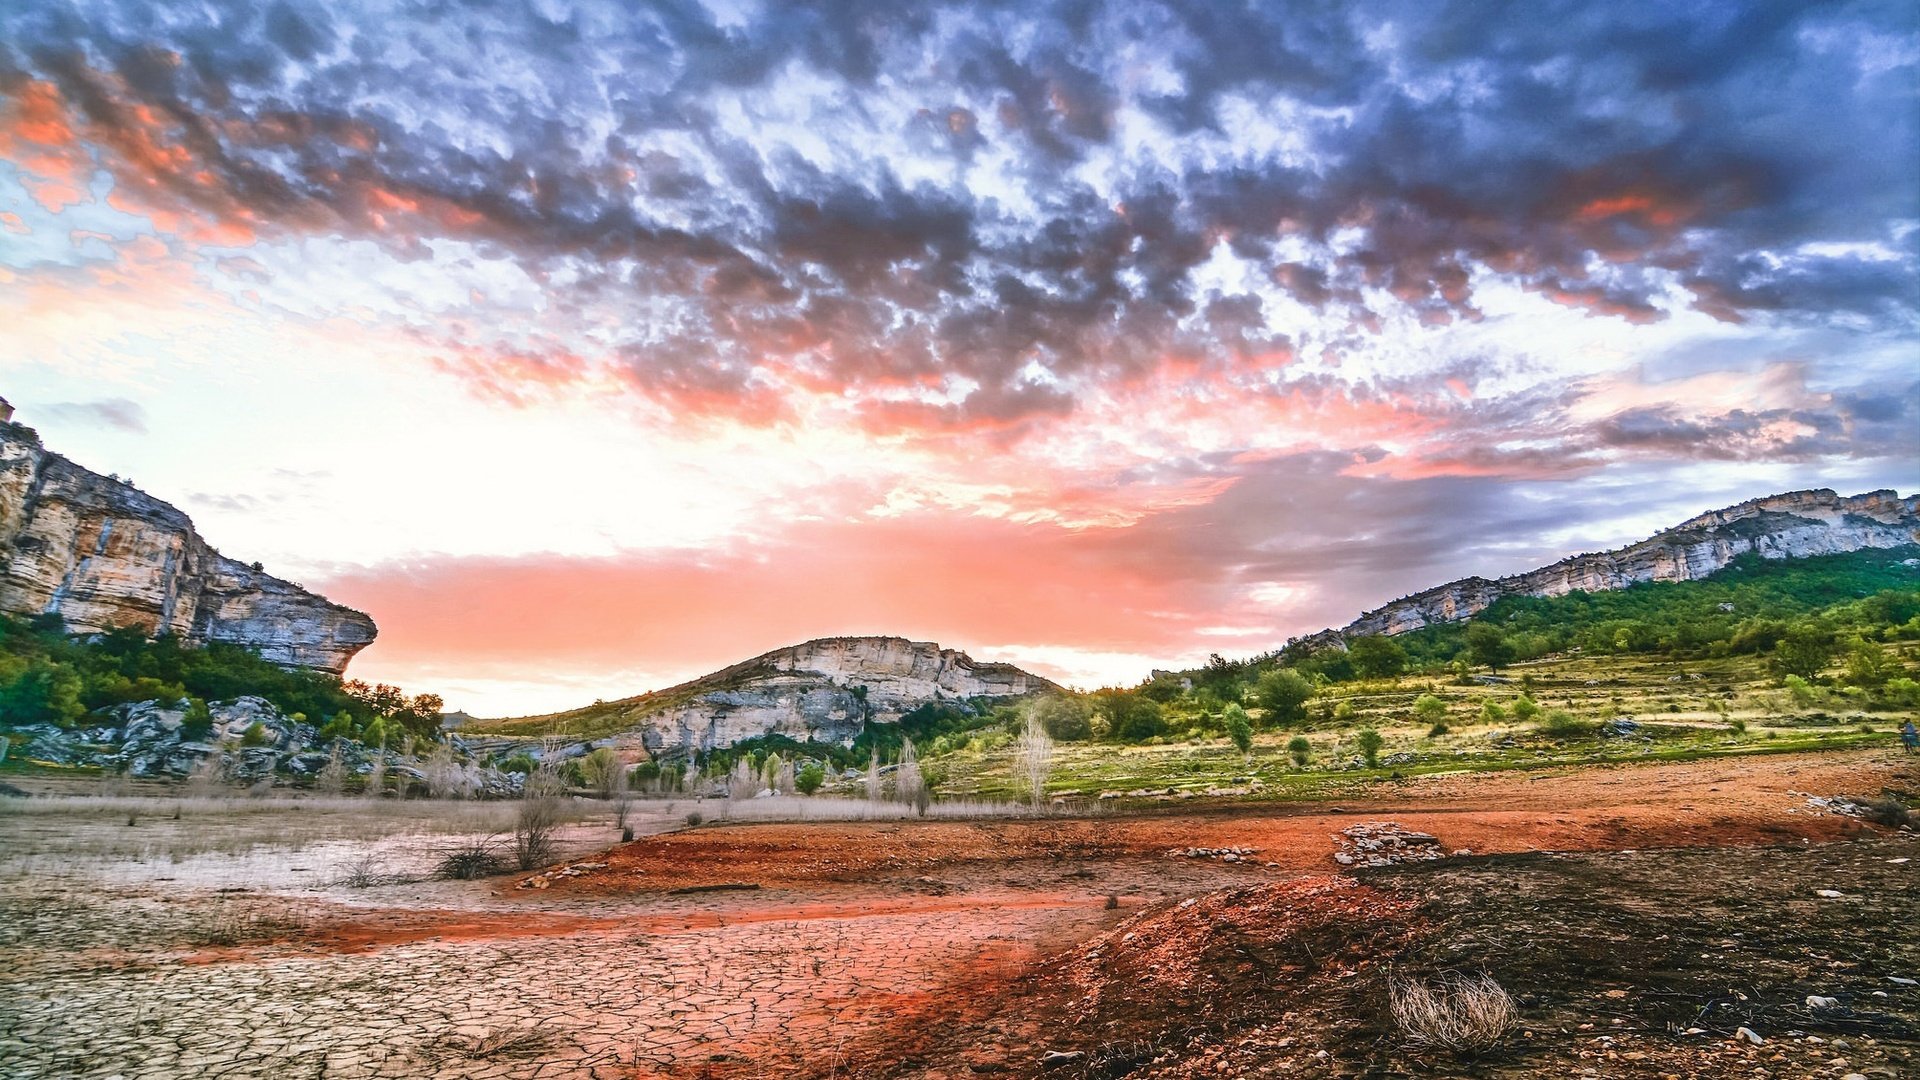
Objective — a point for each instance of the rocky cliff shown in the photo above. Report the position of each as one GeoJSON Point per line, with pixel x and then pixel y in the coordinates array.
{"type": "Point", "coordinates": [101, 553]}
{"type": "Point", "coordinates": [1795, 525]}
{"type": "Point", "coordinates": [823, 690]}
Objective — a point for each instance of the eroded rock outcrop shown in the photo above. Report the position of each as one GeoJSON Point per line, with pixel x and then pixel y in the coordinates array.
{"type": "Point", "coordinates": [822, 690]}
{"type": "Point", "coordinates": [1797, 524]}
{"type": "Point", "coordinates": [101, 553]}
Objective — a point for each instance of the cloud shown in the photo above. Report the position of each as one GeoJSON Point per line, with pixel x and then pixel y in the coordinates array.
{"type": "Point", "coordinates": [119, 414]}
{"type": "Point", "coordinates": [740, 213]}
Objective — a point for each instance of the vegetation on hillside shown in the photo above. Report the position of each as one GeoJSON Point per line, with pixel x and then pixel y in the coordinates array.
{"type": "Point", "coordinates": [48, 676]}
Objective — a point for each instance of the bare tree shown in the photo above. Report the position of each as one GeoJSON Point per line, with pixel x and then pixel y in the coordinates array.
{"type": "Point", "coordinates": [908, 785]}
{"type": "Point", "coordinates": [873, 777]}
{"type": "Point", "coordinates": [443, 773]}
{"type": "Point", "coordinates": [376, 776]}
{"type": "Point", "coordinates": [332, 778]}
{"type": "Point", "coordinates": [541, 803]}
{"type": "Point", "coordinates": [622, 795]}
{"type": "Point", "coordinates": [209, 774]}
{"type": "Point", "coordinates": [1033, 759]}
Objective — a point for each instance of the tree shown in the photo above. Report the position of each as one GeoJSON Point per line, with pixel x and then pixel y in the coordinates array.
{"type": "Point", "coordinates": [809, 778]}
{"type": "Point", "coordinates": [1239, 728]}
{"type": "Point", "coordinates": [1300, 750]}
{"type": "Point", "coordinates": [1130, 717]}
{"type": "Point", "coordinates": [1805, 651]}
{"type": "Point", "coordinates": [1429, 709]}
{"type": "Point", "coordinates": [1033, 758]}
{"type": "Point", "coordinates": [1868, 665]}
{"type": "Point", "coordinates": [1492, 713]}
{"type": "Point", "coordinates": [1284, 693]}
{"type": "Point", "coordinates": [1376, 657]}
{"type": "Point", "coordinates": [1525, 709]}
{"type": "Point", "coordinates": [1369, 742]}
{"type": "Point", "coordinates": [1068, 719]}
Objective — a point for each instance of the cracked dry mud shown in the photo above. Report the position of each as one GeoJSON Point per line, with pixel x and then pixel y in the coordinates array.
{"type": "Point", "coordinates": [863, 941]}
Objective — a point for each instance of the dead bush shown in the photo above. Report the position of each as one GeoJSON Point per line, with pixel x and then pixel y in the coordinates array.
{"type": "Point", "coordinates": [541, 805]}
{"type": "Point", "coordinates": [1887, 811]}
{"type": "Point", "coordinates": [469, 861]}
{"type": "Point", "coordinates": [1461, 1013]}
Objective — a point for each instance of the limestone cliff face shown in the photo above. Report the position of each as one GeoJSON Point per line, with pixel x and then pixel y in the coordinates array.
{"type": "Point", "coordinates": [823, 690]}
{"type": "Point", "coordinates": [101, 553]}
{"type": "Point", "coordinates": [1795, 525]}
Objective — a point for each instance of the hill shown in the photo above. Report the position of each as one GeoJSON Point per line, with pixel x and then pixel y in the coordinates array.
{"type": "Point", "coordinates": [1795, 524]}
{"type": "Point", "coordinates": [822, 691]}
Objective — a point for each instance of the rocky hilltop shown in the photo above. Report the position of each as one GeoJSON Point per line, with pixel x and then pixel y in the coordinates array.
{"type": "Point", "coordinates": [101, 553]}
{"type": "Point", "coordinates": [1797, 524]}
{"type": "Point", "coordinates": [823, 690]}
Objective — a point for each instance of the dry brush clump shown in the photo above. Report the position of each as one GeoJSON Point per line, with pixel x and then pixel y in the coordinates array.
{"type": "Point", "coordinates": [1463, 1013]}
{"type": "Point", "coordinates": [469, 861]}
{"type": "Point", "coordinates": [542, 803]}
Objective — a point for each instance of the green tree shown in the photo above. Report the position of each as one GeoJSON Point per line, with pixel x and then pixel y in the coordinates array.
{"type": "Point", "coordinates": [1376, 657]}
{"type": "Point", "coordinates": [1524, 708]}
{"type": "Point", "coordinates": [1868, 665]}
{"type": "Point", "coordinates": [1283, 693]}
{"type": "Point", "coordinates": [1369, 742]}
{"type": "Point", "coordinates": [1429, 708]}
{"type": "Point", "coordinates": [1130, 717]}
{"type": "Point", "coordinates": [809, 778]}
{"type": "Point", "coordinates": [1239, 728]}
{"type": "Point", "coordinates": [1486, 644]}
{"type": "Point", "coordinates": [1068, 719]}
{"type": "Point", "coordinates": [1805, 651]}
{"type": "Point", "coordinates": [1300, 750]}
{"type": "Point", "coordinates": [1492, 713]}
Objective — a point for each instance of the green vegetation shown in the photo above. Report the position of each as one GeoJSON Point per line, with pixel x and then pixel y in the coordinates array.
{"type": "Point", "coordinates": [48, 676]}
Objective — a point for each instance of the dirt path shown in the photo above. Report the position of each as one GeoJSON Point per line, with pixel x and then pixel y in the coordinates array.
{"type": "Point", "coordinates": [860, 936]}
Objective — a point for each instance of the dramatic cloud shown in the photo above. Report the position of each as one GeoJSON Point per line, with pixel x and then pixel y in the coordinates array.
{"type": "Point", "coordinates": [1133, 290]}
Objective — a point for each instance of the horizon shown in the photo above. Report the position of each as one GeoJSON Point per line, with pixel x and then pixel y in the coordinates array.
{"type": "Point", "coordinates": [591, 351]}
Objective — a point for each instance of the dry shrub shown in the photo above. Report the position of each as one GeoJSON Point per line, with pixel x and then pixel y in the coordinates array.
{"type": "Point", "coordinates": [1462, 1013]}
{"type": "Point", "coordinates": [469, 861]}
{"type": "Point", "coordinates": [540, 810]}
{"type": "Point", "coordinates": [494, 1043]}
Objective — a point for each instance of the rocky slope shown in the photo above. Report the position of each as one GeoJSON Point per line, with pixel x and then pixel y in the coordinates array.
{"type": "Point", "coordinates": [1794, 525]}
{"type": "Point", "coordinates": [101, 553]}
{"type": "Point", "coordinates": [822, 690]}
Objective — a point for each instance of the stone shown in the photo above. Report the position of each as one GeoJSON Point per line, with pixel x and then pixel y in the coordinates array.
{"type": "Point", "coordinates": [1750, 1035]}
{"type": "Point", "coordinates": [1054, 1059]}
{"type": "Point", "coordinates": [1795, 524]}
{"type": "Point", "coordinates": [101, 553]}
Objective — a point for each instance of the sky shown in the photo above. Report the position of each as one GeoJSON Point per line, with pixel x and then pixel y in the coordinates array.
{"type": "Point", "coordinates": [593, 346]}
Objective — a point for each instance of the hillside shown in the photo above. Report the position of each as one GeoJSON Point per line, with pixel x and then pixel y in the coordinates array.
{"type": "Point", "coordinates": [101, 554]}
{"type": "Point", "coordinates": [822, 691]}
{"type": "Point", "coordinates": [1796, 524]}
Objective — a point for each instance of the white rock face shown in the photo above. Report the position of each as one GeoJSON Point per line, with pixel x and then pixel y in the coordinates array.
{"type": "Point", "coordinates": [823, 690]}
{"type": "Point", "coordinates": [1795, 525]}
{"type": "Point", "coordinates": [102, 554]}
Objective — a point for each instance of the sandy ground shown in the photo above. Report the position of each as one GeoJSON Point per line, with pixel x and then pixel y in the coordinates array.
{"type": "Point", "coordinates": [921, 948]}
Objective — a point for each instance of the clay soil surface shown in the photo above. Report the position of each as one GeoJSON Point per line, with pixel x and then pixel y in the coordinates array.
{"type": "Point", "coordinates": [1640, 914]}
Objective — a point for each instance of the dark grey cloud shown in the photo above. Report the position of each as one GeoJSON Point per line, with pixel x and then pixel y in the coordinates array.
{"type": "Point", "coordinates": [1598, 154]}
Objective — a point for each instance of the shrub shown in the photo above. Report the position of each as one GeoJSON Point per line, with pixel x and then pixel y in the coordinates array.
{"type": "Point", "coordinates": [538, 817]}
{"type": "Point", "coordinates": [469, 861]}
{"type": "Point", "coordinates": [1369, 742]}
{"type": "Point", "coordinates": [1300, 750]}
{"type": "Point", "coordinates": [1562, 724]}
{"type": "Point", "coordinates": [1737, 725]}
{"type": "Point", "coordinates": [694, 819]}
{"type": "Point", "coordinates": [1492, 713]}
{"type": "Point", "coordinates": [1525, 708]}
{"type": "Point", "coordinates": [1888, 811]}
{"type": "Point", "coordinates": [1239, 728]}
{"type": "Point", "coordinates": [1344, 713]}
{"type": "Point", "coordinates": [809, 778]}
{"type": "Point", "coordinates": [1284, 693]}
{"type": "Point", "coordinates": [1461, 1013]}
{"type": "Point", "coordinates": [255, 735]}
{"type": "Point", "coordinates": [198, 723]}
{"type": "Point", "coordinates": [1438, 730]}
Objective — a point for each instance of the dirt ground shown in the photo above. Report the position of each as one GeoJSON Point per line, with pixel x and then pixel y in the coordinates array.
{"type": "Point", "coordinates": [1624, 906]}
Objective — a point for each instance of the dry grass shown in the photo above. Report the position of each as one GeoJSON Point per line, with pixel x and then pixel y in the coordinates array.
{"type": "Point", "coordinates": [499, 1043]}
{"type": "Point", "coordinates": [1461, 1013]}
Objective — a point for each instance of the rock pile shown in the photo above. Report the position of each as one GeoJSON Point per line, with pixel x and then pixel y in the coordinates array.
{"type": "Point", "coordinates": [1227, 854]}
{"type": "Point", "coordinates": [1384, 843]}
